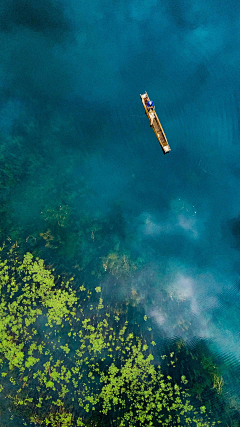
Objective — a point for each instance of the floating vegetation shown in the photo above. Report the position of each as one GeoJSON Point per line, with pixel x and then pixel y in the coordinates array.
{"type": "Point", "coordinates": [62, 367]}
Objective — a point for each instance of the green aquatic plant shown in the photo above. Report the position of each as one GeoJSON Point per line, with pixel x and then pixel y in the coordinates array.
{"type": "Point", "coordinates": [118, 264]}
{"type": "Point", "coordinates": [141, 395]}
{"type": "Point", "coordinates": [65, 361]}
{"type": "Point", "coordinates": [204, 376]}
{"type": "Point", "coordinates": [57, 216]}
{"type": "Point", "coordinates": [58, 232]}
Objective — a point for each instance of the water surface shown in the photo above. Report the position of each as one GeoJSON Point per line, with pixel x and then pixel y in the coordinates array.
{"type": "Point", "coordinates": [76, 70]}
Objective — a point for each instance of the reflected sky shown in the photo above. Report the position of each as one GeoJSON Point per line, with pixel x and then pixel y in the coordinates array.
{"type": "Point", "coordinates": [88, 62]}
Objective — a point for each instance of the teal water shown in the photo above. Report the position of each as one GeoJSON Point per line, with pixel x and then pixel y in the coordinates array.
{"type": "Point", "coordinates": [70, 113]}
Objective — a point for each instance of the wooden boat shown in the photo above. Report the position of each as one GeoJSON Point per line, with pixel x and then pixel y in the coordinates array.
{"type": "Point", "coordinates": [155, 124]}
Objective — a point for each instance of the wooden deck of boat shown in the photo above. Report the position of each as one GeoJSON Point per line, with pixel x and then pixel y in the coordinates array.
{"type": "Point", "coordinates": [156, 125]}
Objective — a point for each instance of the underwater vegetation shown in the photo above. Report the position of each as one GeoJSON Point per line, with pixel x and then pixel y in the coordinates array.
{"type": "Point", "coordinates": [61, 367]}
{"type": "Point", "coordinates": [76, 346]}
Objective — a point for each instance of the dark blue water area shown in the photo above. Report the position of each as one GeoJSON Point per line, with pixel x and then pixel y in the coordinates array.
{"type": "Point", "coordinates": [90, 61]}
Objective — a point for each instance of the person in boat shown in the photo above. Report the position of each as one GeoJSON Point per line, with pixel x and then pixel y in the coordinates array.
{"type": "Point", "coordinates": [150, 104]}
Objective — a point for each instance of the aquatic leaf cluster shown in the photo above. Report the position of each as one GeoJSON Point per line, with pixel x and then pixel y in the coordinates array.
{"type": "Point", "coordinates": [64, 363]}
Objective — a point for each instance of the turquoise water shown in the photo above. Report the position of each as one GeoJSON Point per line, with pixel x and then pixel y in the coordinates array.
{"type": "Point", "coordinates": [71, 74]}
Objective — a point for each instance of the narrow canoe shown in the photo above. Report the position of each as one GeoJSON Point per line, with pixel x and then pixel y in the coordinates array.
{"type": "Point", "coordinates": [155, 124]}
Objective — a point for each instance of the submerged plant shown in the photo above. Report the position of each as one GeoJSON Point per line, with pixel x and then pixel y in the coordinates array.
{"type": "Point", "coordinates": [67, 362]}
{"type": "Point", "coordinates": [118, 264]}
